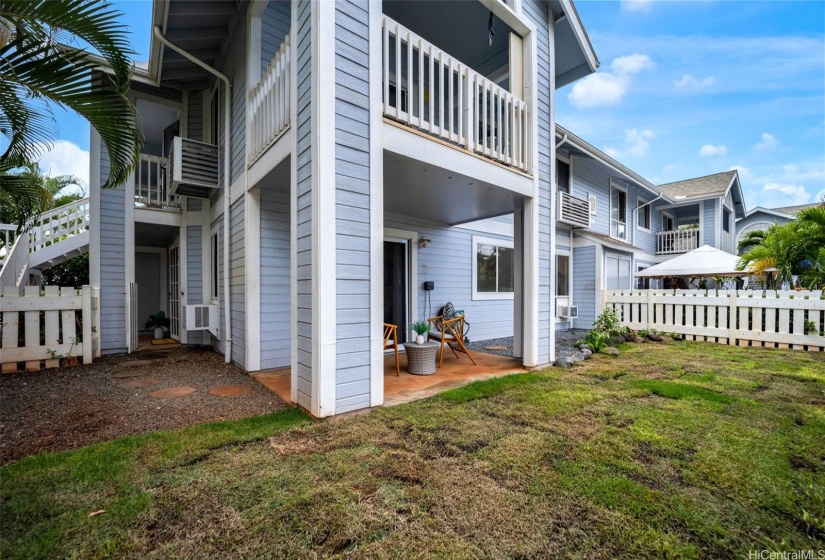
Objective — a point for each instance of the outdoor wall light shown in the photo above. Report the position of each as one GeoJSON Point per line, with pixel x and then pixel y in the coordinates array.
{"type": "Point", "coordinates": [423, 242]}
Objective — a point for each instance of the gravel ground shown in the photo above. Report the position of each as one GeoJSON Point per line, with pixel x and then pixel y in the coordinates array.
{"type": "Point", "coordinates": [59, 409]}
{"type": "Point", "coordinates": [564, 343]}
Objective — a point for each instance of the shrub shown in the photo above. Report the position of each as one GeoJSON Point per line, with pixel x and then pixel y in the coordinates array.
{"type": "Point", "coordinates": [608, 323]}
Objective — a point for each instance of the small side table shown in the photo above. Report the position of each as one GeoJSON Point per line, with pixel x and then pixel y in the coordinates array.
{"type": "Point", "coordinates": [421, 357]}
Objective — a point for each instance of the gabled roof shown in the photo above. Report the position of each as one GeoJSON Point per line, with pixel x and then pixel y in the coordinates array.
{"type": "Point", "coordinates": [794, 210]}
{"type": "Point", "coordinates": [707, 186]}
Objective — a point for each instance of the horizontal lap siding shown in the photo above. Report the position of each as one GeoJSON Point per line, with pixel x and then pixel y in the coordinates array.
{"type": "Point", "coordinates": [584, 285]}
{"type": "Point", "coordinates": [275, 22]}
{"type": "Point", "coordinates": [448, 261]}
{"type": "Point", "coordinates": [590, 178]}
{"type": "Point", "coordinates": [194, 274]}
{"type": "Point", "coordinates": [709, 223]}
{"type": "Point", "coordinates": [536, 10]}
{"type": "Point", "coordinates": [237, 283]}
{"type": "Point", "coordinates": [112, 263]}
{"type": "Point", "coordinates": [304, 202]}
{"type": "Point", "coordinates": [352, 175]}
{"type": "Point", "coordinates": [275, 277]}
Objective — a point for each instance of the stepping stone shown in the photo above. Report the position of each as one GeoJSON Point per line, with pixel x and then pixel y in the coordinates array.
{"type": "Point", "coordinates": [495, 348]}
{"type": "Point", "coordinates": [138, 383]}
{"type": "Point", "coordinates": [135, 363]}
{"type": "Point", "coordinates": [230, 390]}
{"type": "Point", "coordinates": [172, 392]}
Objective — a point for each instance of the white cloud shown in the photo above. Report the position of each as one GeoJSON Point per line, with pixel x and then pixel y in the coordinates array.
{"type": "Point", "coordinates": [775, 194]}
{"type": "Point", "coordinates": [796, 174]}
{"type": "Point", "coordinates": [608, 88]}
{"type": "Point", "coordinates": [631, 64]}
{"type": "Point", "coordinates": [745, 174]}
{"type": "Point", "coordinates": [709, 150]}
{"type": "Point", "coordinates": [598, 89]}
{"type": "Point", "coordinates": [769, 142]}
{"type": "Point", "coordinates": [637, 5]}
{"type": "Point", "coordinates": [66, 158]}
{"type": "Point", "coordinates": [689, 81]}
{"type": "Point", "coordinates": [636, 143]}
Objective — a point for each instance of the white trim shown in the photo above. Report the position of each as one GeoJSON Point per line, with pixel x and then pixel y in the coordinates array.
{"type": "Point", "coordinates": [293, 214]}
{"type": "Point", "coordinates": [569, 297]}
{"type": "Point", "coordinates": [252, 278]}
{"type": "Point", "coordinates": [94, 207]}
{"type": "Point", "coordinates": [214, 283]}
{"type": "Point", "coordinates": [701, 223]}
{"type": "Point", "coordinates": [183, 271]}
{"type": "Point", "coordinates": [128, 247]}
{"type": "Point", "coordinates": [411, 237]}
{"type": "Point", "coordinates": [480, 296]}
{"type": "Point", "coordinates": [742, 230]}
{"type": "Point", "coordinates": [628, 227]}
{"type": "Point", "coordinates": [643, 204]}
{"type": "Point", "coordinates": [157, 216]}
{"type": "Point", "coordinates": [324, 330]}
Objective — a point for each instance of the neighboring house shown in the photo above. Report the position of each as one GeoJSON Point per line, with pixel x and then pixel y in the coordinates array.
{"type": "Point", "coordinates": [363, 149]}
{"type": "Point", "coordinates": [760, 219]}
{"type": "Point", "coordinates": [613, 223]}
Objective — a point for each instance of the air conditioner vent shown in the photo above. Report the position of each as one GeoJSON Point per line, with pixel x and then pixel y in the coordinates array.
{"type": "Point", "coordinates": [193, 168]}
{"type": "Point", "coordinates": [568, 311]}
{"type": "Point", "coordinates": [200, 318]}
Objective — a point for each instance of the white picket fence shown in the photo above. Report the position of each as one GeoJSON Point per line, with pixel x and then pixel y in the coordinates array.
{"type": "Point", "coordinates": [773, 319]}
{"type": "Point", "coordinates": [47, 323]}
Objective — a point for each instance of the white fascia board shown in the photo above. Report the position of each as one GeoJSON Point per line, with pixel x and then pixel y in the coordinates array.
{"type": "Point", "coordinates": [580, 33]}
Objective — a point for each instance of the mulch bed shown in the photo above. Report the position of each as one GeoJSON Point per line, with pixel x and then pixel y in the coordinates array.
{"type": "Point", "coordinates": [58, 409]}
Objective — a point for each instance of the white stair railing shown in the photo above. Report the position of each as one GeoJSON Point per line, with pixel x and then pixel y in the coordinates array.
{"type": "Point", "coordinates": [428, 89]}
{"type": "Point", "coordinates": [269, 103]}
{"type": "Point", "coordinates": [15, 263]}
{"type": "Point", "coordinates": [59, 224]}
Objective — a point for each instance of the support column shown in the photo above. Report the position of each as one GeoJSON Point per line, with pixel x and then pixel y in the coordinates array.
{"type": "Point", "coordinates": [518, 283]}
{"type": "Point", "coordinates": [252, 277]}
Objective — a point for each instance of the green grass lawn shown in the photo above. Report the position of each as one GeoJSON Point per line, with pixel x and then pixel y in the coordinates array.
{"type": "Point", "coordinates": [683, 449]}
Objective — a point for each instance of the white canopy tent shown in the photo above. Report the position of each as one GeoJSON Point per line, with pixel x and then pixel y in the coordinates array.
{"type": "Point", "coordinates": [703, 262]}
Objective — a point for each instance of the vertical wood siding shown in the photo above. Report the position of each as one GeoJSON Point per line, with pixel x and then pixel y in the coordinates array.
{"type": "Point", "coordinates": [584, 285]}
{"type": "Point", "coordinates": [237, 282]}
{"type": "Point", "coordinates": [112, 264]}
{"type": "Point", "coordinates": [352, 192]}
{"type": "Point", "coordinates": [711, 236]}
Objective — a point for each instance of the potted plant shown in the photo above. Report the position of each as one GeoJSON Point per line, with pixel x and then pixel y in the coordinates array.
{"type": "Point", "coordinates": [159, 322]}
{"type": "Point", "coordinates": [421, 328]}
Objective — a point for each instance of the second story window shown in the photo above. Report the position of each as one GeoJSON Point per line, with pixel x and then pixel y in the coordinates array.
{"type": "Point", "coordinates": [644, 216]}
{"type": "Point", "coordinates": [563, 176]}
{"type": "Point", "coordinates": [618, 212]}
{"type": "Point", "coordinates": [725, 220]}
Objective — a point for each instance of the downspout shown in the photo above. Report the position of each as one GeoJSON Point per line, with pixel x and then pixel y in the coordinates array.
{"type": "Point", "coordinates": [636, 214]}
{"type": "Point", "coordinates": [227, 199]}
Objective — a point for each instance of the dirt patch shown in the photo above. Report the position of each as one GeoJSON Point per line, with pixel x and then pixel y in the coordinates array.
{"type": "Point", "coordinates": [138, 382]}
{"type": "Point", "coordinates": [229, 391]}
{"type": "Point", "coordinates": [58, 409]}
{"type": "Point", "coordinates": [172, 392]}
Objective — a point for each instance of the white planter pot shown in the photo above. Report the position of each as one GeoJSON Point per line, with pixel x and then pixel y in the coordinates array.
{"type": "Point", "coordinates": [158, 333]}
{"type": "Point", "coordinates": [419, 339]}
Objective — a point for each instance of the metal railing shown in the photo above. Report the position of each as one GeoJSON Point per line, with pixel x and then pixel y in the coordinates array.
{"type": "Point", "coordinates": [269, 103]}
{"type": "Point", "coordinates": [428, 89]}
{"type": "Point", "coordinates": [677, 241]}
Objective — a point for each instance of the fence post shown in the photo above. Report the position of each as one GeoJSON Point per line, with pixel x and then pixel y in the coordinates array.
{"type": "Point", "coordinates": [86, 309]}
{"type": "Point", "coordinates": [732, 318]}
{"type": "Point", "coordinates": [96, 352]}
{"type": "Point", "coordinates": [650, 299]}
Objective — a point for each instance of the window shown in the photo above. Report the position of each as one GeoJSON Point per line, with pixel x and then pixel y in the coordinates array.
{"type": "Point", "coordinates": [726, 219]}
{"type": "Point", "coordinates": [563, 176]}
{"type": "Point", "coordinates": [215, 108]}
{"type": "Point", "coordinates": [644, 216]}
{"type": "Point", "coordinates": [642, 283]}
{"type": "Point", "coordinates": [493, 268]}
{"type": "Point", "coordinates": [562, 275]}
{"type": "Point", "coordinates": [667, 222]}
{"type": "Point", "coordinates": [618, 212]}
{"type": "Point", "coordinates": [214, 265]}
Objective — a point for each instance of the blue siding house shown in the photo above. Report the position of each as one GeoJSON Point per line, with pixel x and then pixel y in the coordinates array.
{"type": "Point", "coordinates": [308, 166]}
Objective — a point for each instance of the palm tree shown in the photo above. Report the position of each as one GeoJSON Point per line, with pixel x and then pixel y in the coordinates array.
{"type": "Point", "coordinates": [31, 194]}
{"type": "Point", "coordinates": [783, 249]}
{"type": "Point", "coordinates": [37, 68]}
{"type": "Point", "coordinates": [751, 239]}
{"type": "Point", "coordinates": [813, 278]}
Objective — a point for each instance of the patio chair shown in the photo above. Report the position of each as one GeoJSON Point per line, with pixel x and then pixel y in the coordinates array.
{"type": "Point", "coordinates": [391, 332]}
{"type": "Point", "coordinates": [448, 328]}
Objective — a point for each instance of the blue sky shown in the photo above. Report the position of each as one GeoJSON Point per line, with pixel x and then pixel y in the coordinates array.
{"type": "Point", "coordinates": [684, 89]}
{"type": "Point", "coordinates": [692, 88]}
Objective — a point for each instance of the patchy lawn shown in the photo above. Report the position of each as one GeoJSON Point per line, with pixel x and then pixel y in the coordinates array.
{"type": "Point", "coordinates": [675, 450]}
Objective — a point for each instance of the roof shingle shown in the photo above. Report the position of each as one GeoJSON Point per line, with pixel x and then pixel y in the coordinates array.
{"type": "Point", "coordinates": [709, 185]}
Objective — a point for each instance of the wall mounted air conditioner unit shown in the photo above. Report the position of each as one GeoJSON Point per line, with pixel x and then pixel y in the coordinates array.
{"type": "Point", "coordinates": [568, 311]}
{"type": "Point", "coordinates": [201, 318]}
{"type": "Point", "coordinates": [193, 168]}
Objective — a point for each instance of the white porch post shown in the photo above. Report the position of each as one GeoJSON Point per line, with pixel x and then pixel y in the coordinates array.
{"type": "Point", "coordinates": [551, 37]}
{"type": "Point", "coordinates": [518, 281]}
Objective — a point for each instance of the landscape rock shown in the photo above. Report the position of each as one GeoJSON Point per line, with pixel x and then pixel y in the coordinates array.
{"type": "Point", "coordinates": [576, 357]}
{"type": "Point", "coordinates": [620, 340]}
{"type": "Point", "coordinates": [654, 337]}
{"type": "Point", "coordinates": [563, 363]}
{"type": "Point", "coordinates": [639, 339]}
{"type": "Point", "coordinates": [611, 351]}
{"type": "Point", "coordinates": [585, 346]}
{"type": "Point", "coordinates": [586, 353]}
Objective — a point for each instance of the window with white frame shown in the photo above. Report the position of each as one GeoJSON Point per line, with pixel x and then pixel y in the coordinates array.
{"type": "Point", "coordinates": [667, 222]}
{"type": "Point", "coordinates": [642, 283]}
{"type": "Point", "coordinates": [214, 265]}
{"type": "Point", "coordinates": [725, 219]}
{"type": "Point", "coordinates": [563, 176]}
{"type": "Point", "coordinates": [644, 215]}
{"type": "Point", "coordinates": [493, 268]}
{"type": "Point", "coordinates": [562, 275]}
{"type": "Point", "coordinates": [618, 212]}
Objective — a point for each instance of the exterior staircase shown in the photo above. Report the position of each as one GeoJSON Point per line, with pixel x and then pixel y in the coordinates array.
{"type": "Point", "coordinates": [57, 236]}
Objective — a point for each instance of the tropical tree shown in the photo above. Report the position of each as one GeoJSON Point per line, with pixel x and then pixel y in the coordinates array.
{"type": "Point", "coordinates": [780, 254]}
{"type": "Point", "coordinates": [31, 193]}
{"type": "Point", "coordinates": [751, 239]}
{"type": "Point", "coordinates": [813, 277]}
{"type": "Point", "coordinates": [38, 67]}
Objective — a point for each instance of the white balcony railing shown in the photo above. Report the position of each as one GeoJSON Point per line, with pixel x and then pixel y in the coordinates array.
{"type": "Point", "coordinates": [574, 211]}
{"type": "Point", "coordinates": [269, 103]}
{"type": "Point", "coordinates": [151, 184]}
{"type": "Point", "coordinates": [677, 241]}
{"type": "Point", "coordinates": [428, 89]}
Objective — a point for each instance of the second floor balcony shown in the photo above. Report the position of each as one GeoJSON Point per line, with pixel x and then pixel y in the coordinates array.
{"type": "Point", "coordinates": [430, 90]}
{"type": "Point", "coordinates": [677, 241]}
